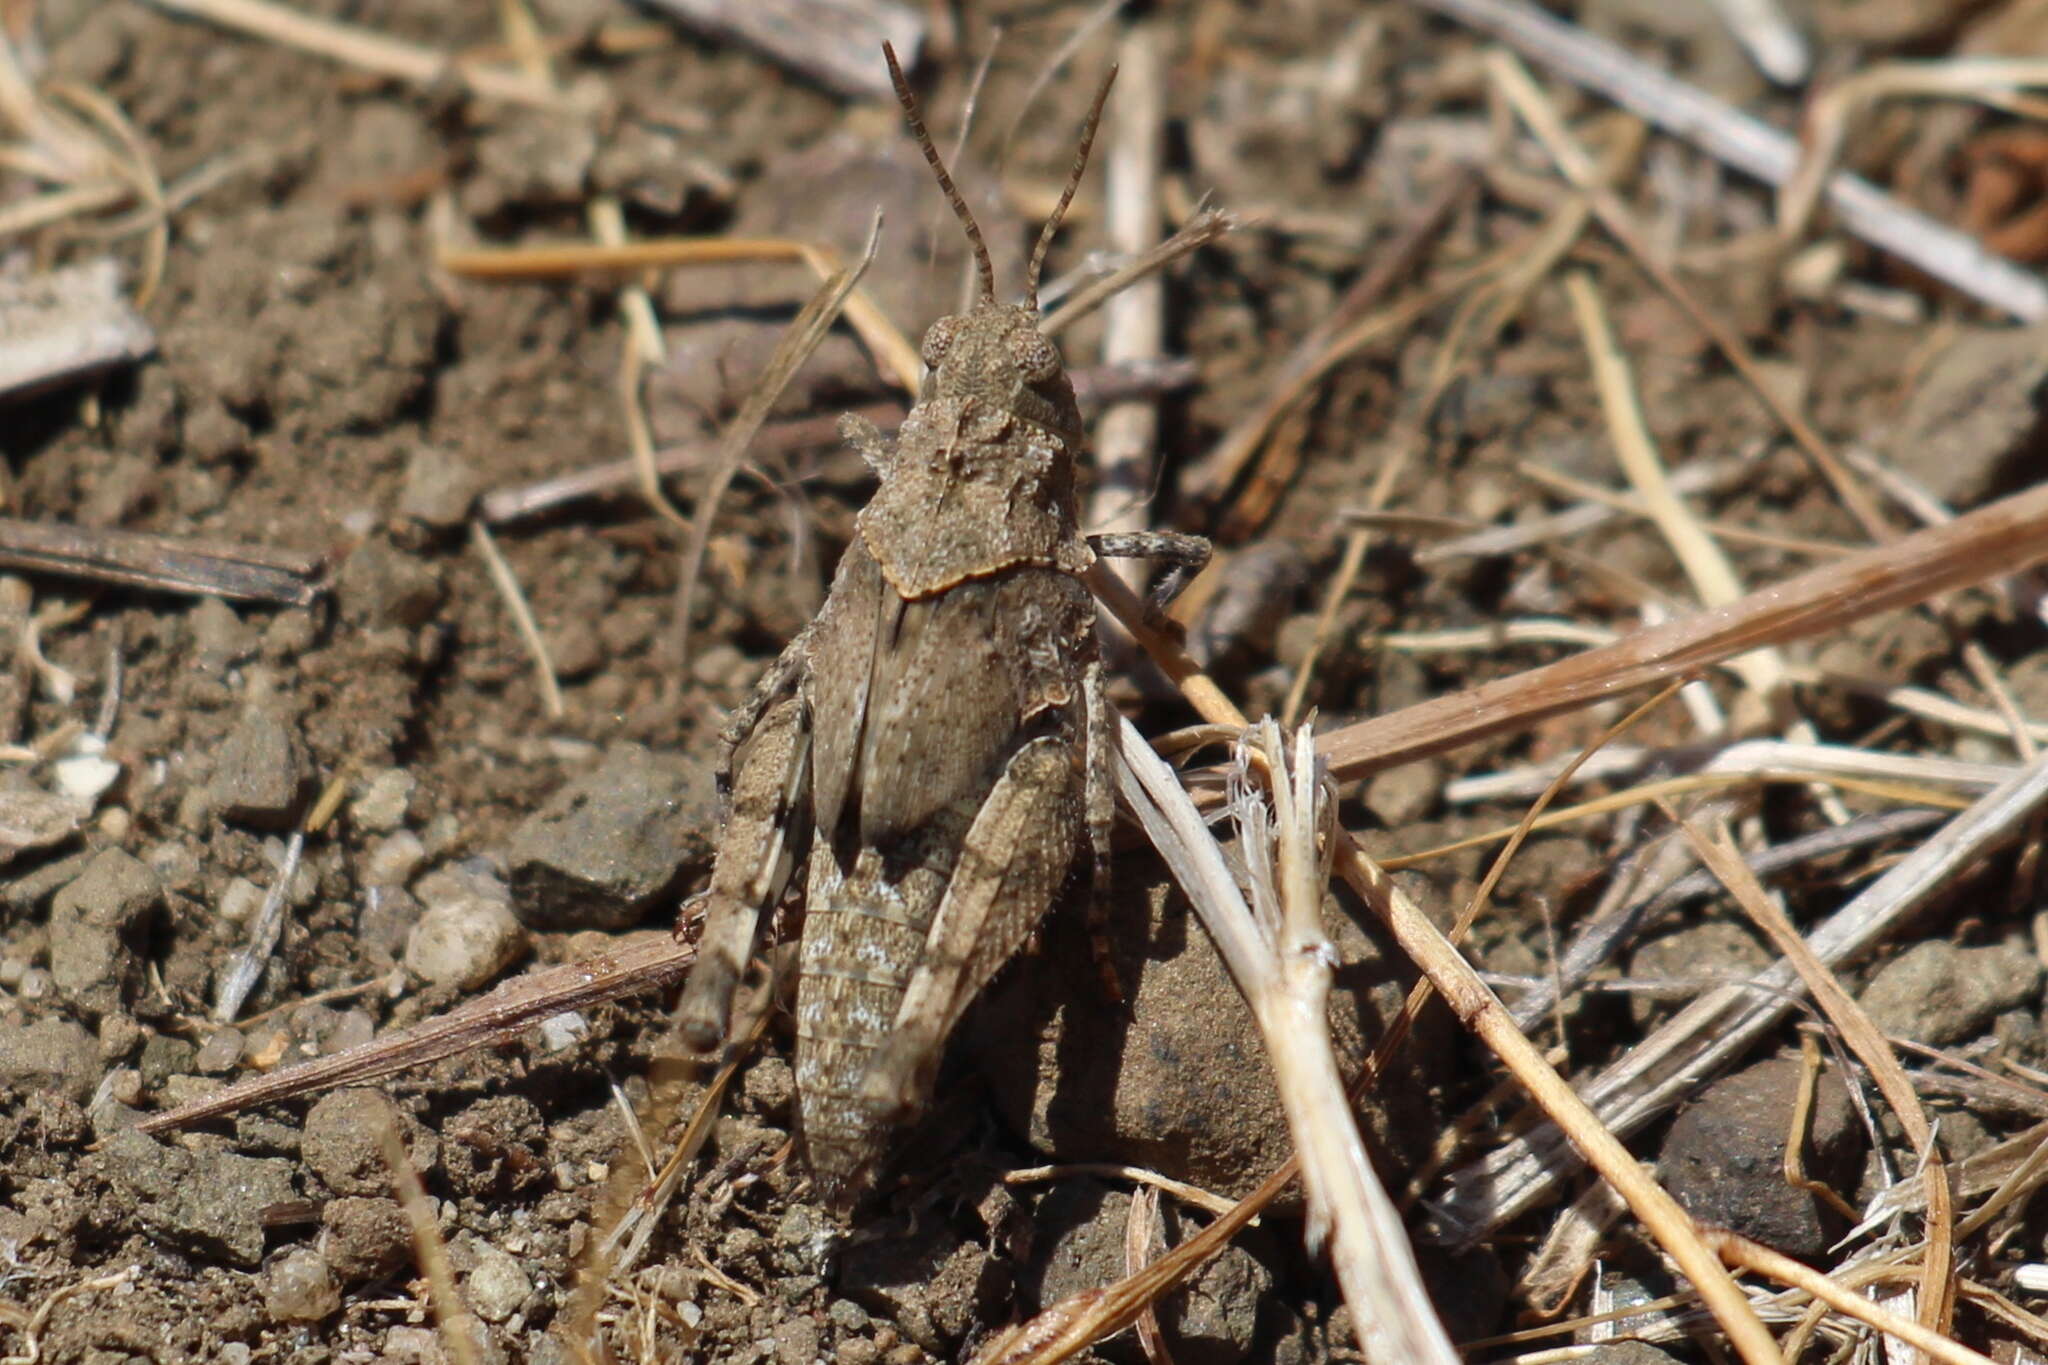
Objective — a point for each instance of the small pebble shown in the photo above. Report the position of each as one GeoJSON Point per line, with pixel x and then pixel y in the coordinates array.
{"type": "Point", "coordinates": [560, 1032]}
{"type": "Point", "coordinates": [393, 859]}
{"type": "Point", "coordinates": [299, 1287]}
{"type": "Point", "coordinates": [240, 899]}
{"type": "Point", "coordinates": [497, 1286]}
{"type": "Point", "coordinates": [220, 1053]}
{"type": "Point", "coordinates": [382, 801]}
{"type": "Point", "coordinates": [119, 1036]}
{"type": "Point", "coordinates": [261, 774]}
{"type": "Point", "coordinates": [352, 1028]}
{"type": "Point", "coordinates": [439, 487]}
{"type": "Point", "coordinates": [96, 923]}
{"type": "Point", "coordinates": [468, 933]}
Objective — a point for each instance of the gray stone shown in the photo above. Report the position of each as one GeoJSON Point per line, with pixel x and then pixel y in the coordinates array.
{"type": "Point", "coordinates": [1692, 959]}
{"type": "Point", "coordinates": [299, 1287]}
{"type": "Point", "coordinates": [468, 933]}
{"type": "Point", "coordinates": [439, 488]}
{"type": "Point", "coordinates": [1977, 416]}
{"type": "Point", "coordinates": [50, 1054]}
{"type": "Point", "coordinates": [261, 775]}
{"type": "Point", "coordinates": [1936, 993]}
{"type": "Point", "coordinates": [220, 1053]}
{"type": "Point", "coordinates": [220, 638]}
{"type": "Point", "coordinates": [1400, 796]}
{"type": "Point", "coordinates": [208, 1203]}
{"type": "Point", "coordinates": [1724, 1158]}
{"type": "Point", "coordinates": [97, 924]}
{"type": "Point", "coordinates": [615, 843]}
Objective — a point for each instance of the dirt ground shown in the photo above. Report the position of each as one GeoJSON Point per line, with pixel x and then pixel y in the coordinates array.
{"type": "Point", "coordinates": [320, 385]}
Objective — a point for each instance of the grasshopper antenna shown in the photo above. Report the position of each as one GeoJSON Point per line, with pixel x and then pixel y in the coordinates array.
{"type": "Point", "coordinates": [1052, 224]}
{"type": "Point", "coordinates": [908, 99]}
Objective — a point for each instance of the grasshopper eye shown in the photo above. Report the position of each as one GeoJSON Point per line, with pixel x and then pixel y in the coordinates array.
{"type": "Point", "coordinates": [938, 341]}
{"type": "Point", "coordinates": [1035, 356]}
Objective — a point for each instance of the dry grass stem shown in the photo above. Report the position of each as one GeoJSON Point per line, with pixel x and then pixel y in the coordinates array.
{"type": "Point", "coordinates": [1541, 117]}
{"type": "Point", "coordinates": [1134, 321]}
{"type": "Point", "coordinates": [1719, 854]}
{"type": "Point", "coordinates": [265, 925]}
{"type": "Point", "coordinates": [1772, 40]}
{"type": "Point", "coordinates": [1668, 1065]}
{"type": "Point", "coordinates": [1754, 148]}
{"type": "Point", "coordinates": [260, 573]}
{"type": "Point", "coordinates": [459, 1329]}
{"type": "Point", "coordinates": [651, 962]}
{"type": "Point", "coordinates": [1992, 542]}
{"type": "Point", "coordinates": [1278, 955]}
{"type": "Point", "coordinates": [514, 598]}
{"type": "Point", "coordinates": [1206, 226]}
{"type": "Point", "coordinates": [894, 353]}
{"type": "Point", "coordinates": [1137, 1175]}
{"type": "Point", "coordinates": [1740, 1251]}
{"type": "Point", "coordinates": [1829, 114]}
{"type": "Point", "coordinates": [370, 51]}
{"type": "Point", "coordinates": [1696, 476]}
{"type": "Point", "coordinates": [798, 341]}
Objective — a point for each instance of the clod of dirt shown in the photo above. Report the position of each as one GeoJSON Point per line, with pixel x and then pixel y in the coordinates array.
{"type": "Point", "coordinates": [1627, 1353]}
{"type": "Point", "coordinates": [1936, 993]}
{"type": "Point", "coordinates": [1692, 959]}
{"type": "Point", "coordinates": [934, 1284]}
{"type": "Point", "coordinates": [380, 586]}
{"type": "Point", "coordinates": [1980, 412]}
{"type": "Point", "coordinates": [50, 1054]}
{"type": "Point", "coordinates": [1724, 1158]}
{"type": "Point", "coordinates": [299, 1287]}
{"type": "Point", "coordinates": [261, 775]}
{"type": "Point", "coordinates": [1081, 1232]}
{"type": "Point", "coordinates": [614, 843]}
{"type": "Point", "coordinates": [96, 926]}
{"type": "Point", "coordinates": [207, 1202]}
{"type": "Point", "coordinates": [468, 933]}
{"type": "Point", "coordinates": [342, 1141]}
{"type": "Point", "coordinates": [492, 1147]}
{"type": "Point", "coordinates": [1176, 1079]}
{"type": "Point", "coordinates": [364, 1239]}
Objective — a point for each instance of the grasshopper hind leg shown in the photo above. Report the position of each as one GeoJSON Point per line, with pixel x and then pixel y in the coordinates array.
{"type": "Point", "coordinates": [765, 839]}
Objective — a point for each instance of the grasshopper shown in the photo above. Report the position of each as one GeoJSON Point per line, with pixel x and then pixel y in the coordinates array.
{"type": "Point", "coordinates": [933, 747]}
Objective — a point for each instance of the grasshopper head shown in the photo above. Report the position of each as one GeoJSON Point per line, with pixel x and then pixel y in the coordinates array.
{"type": "Point", "coordinates": [995, 355]}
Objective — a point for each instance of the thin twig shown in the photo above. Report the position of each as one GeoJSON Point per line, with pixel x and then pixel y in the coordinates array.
{"type": "Point", "coordinates": [1753, 147]}
{"type": "Point", "coordinates": [802, 337]}
{"type": "Point", "coordinates": [522, 619]}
